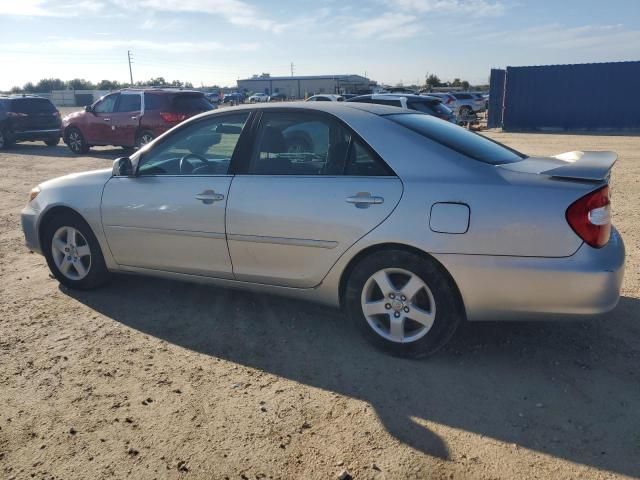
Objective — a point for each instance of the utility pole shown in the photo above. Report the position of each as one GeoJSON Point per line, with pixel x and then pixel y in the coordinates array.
{"type": "Point", "coordinates": [292, 65]}
{"type": "Point", "coordinates": [130, 72]}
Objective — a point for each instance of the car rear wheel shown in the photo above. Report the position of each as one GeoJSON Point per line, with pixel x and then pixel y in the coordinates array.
{"type": "Point", "coordinates": [73, 252]}
{"type": "Point", "coordinates": [76, 142]}
{"type": "Point", "coordinates": [403, 303]}
{"type": "Point", "coordinates": [144, 138]}
{"type": "Point", "coordinates": [52, 142]}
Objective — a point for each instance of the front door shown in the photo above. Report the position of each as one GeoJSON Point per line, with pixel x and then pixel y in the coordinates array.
{"type": "Point", "coordinates": [99, 128]}
{"type": "Point", "coordinates": [311, 190]}
{"type": "Point", "coordinates": [126, 118]}
{"type": "Point", "coordinates": [171, 215]}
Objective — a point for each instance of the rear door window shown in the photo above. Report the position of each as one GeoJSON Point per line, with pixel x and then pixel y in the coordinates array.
{"type": "Point", "coordinates": [186, 103]}
{"type": "Point", "coordinates": [32, 105]}
{"type": "Point", "coordinates": [154, 101]}
{"type": "Point", "coordinates": [468, 143]}
{"type": "Point", "coordinates": [129, 103]}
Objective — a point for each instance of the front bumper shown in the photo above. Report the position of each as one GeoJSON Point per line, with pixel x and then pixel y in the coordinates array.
{"type": "Point", "coordinates": [29, 220]}
{"type": "Point", "coordinates": [526, 288]}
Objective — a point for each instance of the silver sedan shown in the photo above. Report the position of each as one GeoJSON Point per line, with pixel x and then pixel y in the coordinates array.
{"type": "Point", "coordinates": [411, 224]}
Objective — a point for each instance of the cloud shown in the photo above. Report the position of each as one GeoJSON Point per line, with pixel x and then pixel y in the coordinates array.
{"type": "Point", "coordinates": [594, 38]}
{"type": "Point", "coordinates": [387, 26]}
{"type": "Point", "coordinates": [49, 8]}
{"type": "Point", "coordinates": [484, 8]}
{"type": "Point", "coordinates": [100, 45]}
{"type": "Point", "coordinates": [236, 12]}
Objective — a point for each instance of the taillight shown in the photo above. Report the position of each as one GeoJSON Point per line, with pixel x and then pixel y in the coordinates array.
{"type": "Point", "coordinates": [590, 217]}
{"type": "Point", "coordinates": [171, 117]}
{"type": "Point", "coordinates": [449, 100]}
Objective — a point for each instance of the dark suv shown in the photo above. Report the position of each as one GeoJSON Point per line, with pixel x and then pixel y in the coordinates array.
{"type": "Point", "coordinates": [131, 118]}
{"type": "Point", "coordinates": [28, 118]}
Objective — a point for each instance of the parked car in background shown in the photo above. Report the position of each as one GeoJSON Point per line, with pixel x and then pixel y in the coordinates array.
{"type": "Point", "coordinates": [430, 105]}
{"type": "Point", "coordinates": [277, 97]}
{"type": "Point", "coordinates": [214, 97]}
{"type": "Point", "coordinates": [326, 97]}
{"type": "Point", "coordinates": [347, 96]}
{"type": "Point", "coordinates": [465, 106]}
{"type": "Point", "coordinates": [258, 98]}
{"type": "Point", "coordinates": [235, 98]}
{"type": "Point", "coordinates": [28, 118]}
{"type": "Point", "coordinates": [404, 90]}
{"type": "Point", "coordinates": [410, 224]}
{"type": "Point", "coordinates": [131, 117]}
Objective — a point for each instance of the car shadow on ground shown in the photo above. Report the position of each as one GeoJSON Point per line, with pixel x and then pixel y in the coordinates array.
{"type": "Point", "coordinates": [62, 151]}
{"type": "Point", "coordinates": [566, 389]}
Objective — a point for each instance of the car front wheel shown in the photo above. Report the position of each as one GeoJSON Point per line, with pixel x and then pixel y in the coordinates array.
{"type": "Point", "coordinates": [73, 252]}
{"type": "Point", "coordinates": [76, 141]}
{"type": "Point", "coordinates": [403, 303]}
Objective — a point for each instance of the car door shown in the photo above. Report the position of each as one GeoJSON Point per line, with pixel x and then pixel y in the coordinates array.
{"type": "Point", "coordinates": [297, 206]}
{"type": "Point", "coordinates": [126, 118]}
{"type": "Point", "coordinates": [170, 216]}
{"type": "Point", "coordinates": [98, 127]}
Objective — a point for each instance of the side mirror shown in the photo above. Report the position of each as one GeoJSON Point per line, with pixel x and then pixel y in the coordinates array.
{"type": "Point", "coordinates": [87, 108]}
{"type": "Point", "coordinates": [122, 167]}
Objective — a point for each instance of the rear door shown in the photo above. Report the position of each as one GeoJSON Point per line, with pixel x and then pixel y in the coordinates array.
{"type": "Point", "coordinates": [126, 118]}
{"type": "Point", "coordinates": [296, 206]}
{"type": "Point", "coordinates": [98, 127]}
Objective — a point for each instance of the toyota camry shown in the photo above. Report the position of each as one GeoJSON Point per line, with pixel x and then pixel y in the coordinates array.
{"type": "Point", "coordinates": [408, 223]}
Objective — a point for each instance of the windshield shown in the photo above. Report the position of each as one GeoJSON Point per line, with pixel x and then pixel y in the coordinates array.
{"type": "Point", "coordinates": [459, 139]}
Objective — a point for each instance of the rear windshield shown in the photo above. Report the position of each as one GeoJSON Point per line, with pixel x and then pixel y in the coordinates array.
{"type": "Point", "coordinates": [186, 103]}
{"type": "Point", "coordinates": [32, 105]}
{"type": "Point", "coordinates": [459, 139]}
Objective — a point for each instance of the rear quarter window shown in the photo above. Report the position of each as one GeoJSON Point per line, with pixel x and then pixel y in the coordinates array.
{"type": "Point", "coordinates": [459, 139]}
{"type": "Point", "coordinates": [190, 103]}
{"type": "Point", "coordinates": [154, 101]}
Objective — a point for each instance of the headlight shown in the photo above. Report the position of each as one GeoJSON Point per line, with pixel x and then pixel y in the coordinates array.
{"type": "Point", "coordinates": [34, 193]}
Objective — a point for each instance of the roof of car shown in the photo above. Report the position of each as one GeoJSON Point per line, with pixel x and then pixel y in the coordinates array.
{"type": "Point", "coordinates": [21, 95]}
{"type": "Point", "coordinates": [393, 96]}
{"type": "Point", "coordinates": [161, 90]}
{"type": "Point", "coordinates": [331, 107]}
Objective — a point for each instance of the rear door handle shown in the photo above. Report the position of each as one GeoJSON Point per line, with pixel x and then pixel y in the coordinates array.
{"type": "Point", "coordinates": [209, 196]}
{"type": "Point", "coordinates": [134, 118]}
{"type": "Point", "coordinates": [364, 200]}
{"type": "Point", "coordinates": [107, 119]}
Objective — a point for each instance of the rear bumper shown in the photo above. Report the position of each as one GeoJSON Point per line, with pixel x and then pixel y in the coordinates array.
{"type": "Point", "coordinates": [526, 288]}
{"type": "Point", "coordinates": [44, 134]}
{"type": "Point", "coordinates": [29, 221]}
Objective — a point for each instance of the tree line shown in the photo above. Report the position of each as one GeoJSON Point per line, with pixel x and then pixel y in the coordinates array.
{"type": "Point", "coordinates": [49, 84]}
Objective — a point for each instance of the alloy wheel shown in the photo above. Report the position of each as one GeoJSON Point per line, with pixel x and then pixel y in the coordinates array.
{"type": "Point", "coordinates": [144, 139]}
{"type": "Point", "coordinates": [398, 305]}
{"type": "Point", "coordinates": [71, 253]}
{"type": "Point", "coordinates": [75, 141]}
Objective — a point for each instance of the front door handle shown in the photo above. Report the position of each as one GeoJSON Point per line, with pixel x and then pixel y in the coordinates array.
{"type": "Point", "coordinates": [209, 196]}
{"type": "Point", "coordinates": [134, 118]}
{"type": "Point", "coordinates": [107, 119]}
{"type": "Point", "coordinates": [364, 200]}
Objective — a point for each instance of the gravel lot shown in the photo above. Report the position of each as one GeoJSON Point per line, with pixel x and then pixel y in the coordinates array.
{"type": "Point", "coordinates": [159, 379]}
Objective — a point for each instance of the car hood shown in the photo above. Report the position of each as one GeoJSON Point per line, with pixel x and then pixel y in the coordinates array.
{"type": "Point", "coordinates": [72, 115]}
{"type": "Point", "coordinates": [93, 177]}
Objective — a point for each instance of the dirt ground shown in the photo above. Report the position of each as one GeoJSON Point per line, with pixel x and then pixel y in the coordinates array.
{"type": "Point", "coordinates": [158, 379]}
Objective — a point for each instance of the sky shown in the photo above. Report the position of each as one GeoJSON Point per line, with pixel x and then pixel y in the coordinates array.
{"type": "Point", "coordinates": [211, 42]}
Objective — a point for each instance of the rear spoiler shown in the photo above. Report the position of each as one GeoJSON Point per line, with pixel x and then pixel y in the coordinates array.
{"type": "Point", "coordinates": [590, 166]}
{"type": "Point", "coordinates": [584, 165]}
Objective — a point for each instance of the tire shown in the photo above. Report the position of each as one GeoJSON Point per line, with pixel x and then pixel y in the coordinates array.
{"type": "Point", "coordinates": [87, 269]}
{"type": "Point", "coordinates": [143, 138]}
{"type": "Point", "coordinates": [76, 141]}
{"type": "Point", "coordinates": [3, 141]}
{"type": "Point", "coordinates": [411, 327]}
{"type": "Point", "coordinates": [52, 142]}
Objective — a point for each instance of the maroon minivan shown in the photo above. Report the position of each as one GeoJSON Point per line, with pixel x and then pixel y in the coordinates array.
{"type": "Point", "coordinates": [130, 118]}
